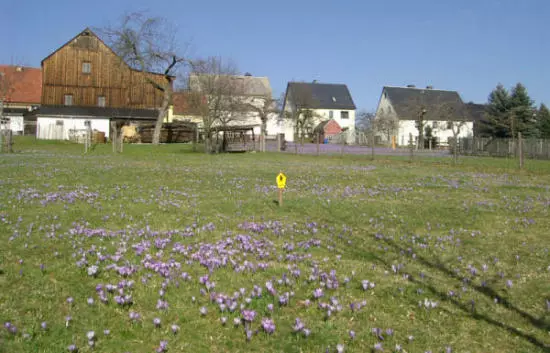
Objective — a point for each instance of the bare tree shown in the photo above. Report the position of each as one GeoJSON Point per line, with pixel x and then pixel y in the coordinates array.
{"type": "Point", "coordinates": [386, 124]}
{"type": "Point", "coordinates": [456, 118]}
{"type": "Point", "coordinates": [300, 112]}
{"type": "Point", "coordinates": [148, 44]}
{"type": "Point", "coordinates": [218, 94]}
{"type": "Point", "coordinates": [6, 89]}
{"type": "Point", "coordinates": [266, 109]}
{"type": "Point", "coordinates": [364, 121]}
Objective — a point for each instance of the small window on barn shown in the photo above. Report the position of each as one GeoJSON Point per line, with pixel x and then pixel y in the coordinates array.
{"type": "Point", "coordinates": [59, 122]}
{"type": "Point", "coordinates": [331, 114]}
{"type": "Point", "coordinates": [344, 115]}
{"type": "Point", "coordinates": [86, 68]}
{"type": "Point", "coordinates": [101, 101]}
{"type": "Point", "coordinates": [68, 99]}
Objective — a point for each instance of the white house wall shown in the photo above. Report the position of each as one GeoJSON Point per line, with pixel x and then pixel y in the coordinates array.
{"type": "Point", "coordinates": [15, 124]}
{"type": "Point", "coordinates": [439, 130]}
{"type": "Point", "coordinates": [319, 116]}
{"type": "Point", "coordinates": [47, 128]}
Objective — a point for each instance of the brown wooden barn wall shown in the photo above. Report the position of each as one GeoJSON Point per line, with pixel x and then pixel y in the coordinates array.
{"type": "Point", "coordinates": [110, 77]}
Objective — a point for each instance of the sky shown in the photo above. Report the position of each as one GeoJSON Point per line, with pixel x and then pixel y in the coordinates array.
{"type": "Point", "coordinates": [465, 45]}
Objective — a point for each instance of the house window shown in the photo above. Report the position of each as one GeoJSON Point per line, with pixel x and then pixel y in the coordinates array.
{"type": "Point", "coordinates": [68, 99]}
{"type": "Point", "coordinates": [435, 125]}
{"type": "Point", "coordinates": [344, 115]}
{"type": "Point", "coordinates": [88, 123]}
{"type": "Point", "coordinates": [86, 68]}
{"type": "Point", "coordinates": [101, 101]}
{"type": "Point", "coordinates": [59, 122]}
{"type": "Point", "coordinates": [331, 114]}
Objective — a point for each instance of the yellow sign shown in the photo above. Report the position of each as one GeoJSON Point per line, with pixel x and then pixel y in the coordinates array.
{"type": "Point", "coordinates": [281, 181]}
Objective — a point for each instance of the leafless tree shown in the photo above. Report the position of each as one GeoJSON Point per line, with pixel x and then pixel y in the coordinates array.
{"type": "Point", "coordinates": [148, 44]}
{"type": "Point", "coordinates": [218, 94]}
{"type": "Point", "coordinates": [364, 121]}
{"type": "Point", "coordinates": [300, 112]}
{"type": "Point", "coordinates": [6, 89]}
{"type": "Point", "coordinates": [386, 124]}
{"type": "Point", "coordinates": [456, 117]}
{"type": "Point", "coordinates": [265, 109]}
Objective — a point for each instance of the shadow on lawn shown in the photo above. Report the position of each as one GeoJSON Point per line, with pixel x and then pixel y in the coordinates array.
{"type": "Point", "coordinates": [491, 294]}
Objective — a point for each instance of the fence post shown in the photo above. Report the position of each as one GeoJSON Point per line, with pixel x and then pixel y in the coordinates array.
{"type": "Point", "coordinates": [317, 136]}
{"type": "Point", "coordinates": [343, 145]}
{"type": "Point", "coordinates": [372, 144]}
{"type": "Point", "coordinates": [9, 141]}
{"type": "Point", "coordinates": [411, 148]}
{"type": "Point", "coordinates": [520, 150]}
{"type": "Point", "coordinates": [1, 141]}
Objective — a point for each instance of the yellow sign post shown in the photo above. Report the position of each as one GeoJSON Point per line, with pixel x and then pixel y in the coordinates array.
{"type": "Point", "coordinates": [281, 184]}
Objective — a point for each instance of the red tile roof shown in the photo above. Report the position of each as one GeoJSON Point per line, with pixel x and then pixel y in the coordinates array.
{"type": "Point", "coordinates": [21, 84]}
{"type": "Point", "coordinates": [185, 103]}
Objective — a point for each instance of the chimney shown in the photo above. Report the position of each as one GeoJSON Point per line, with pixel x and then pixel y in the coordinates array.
{"type": "Point", "coordinates": [314, 81]}
{"type": "Point", "coordinates": [430, 87]}
{"type": "Point", "coordinates": [411, 86]}
{"type": "Point", "coordinates": [248, 74]}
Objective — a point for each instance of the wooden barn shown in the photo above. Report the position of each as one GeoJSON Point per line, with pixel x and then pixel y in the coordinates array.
{"type": "Point", "coordinates": [85, 82]}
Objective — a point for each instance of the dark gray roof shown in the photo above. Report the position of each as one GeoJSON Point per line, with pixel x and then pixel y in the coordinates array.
{"type": "Point", "coordinates": [320, 95]}
{"type": "Point", "coordinates": [407, 102]}
{"type": "Point", "coordinates": [96, 112]}
{"type": "Point", "coordinates": [477, 111]}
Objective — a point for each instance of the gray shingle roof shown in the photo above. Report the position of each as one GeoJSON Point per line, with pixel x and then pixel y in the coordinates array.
{"type": "Point", "coordinates": [320, 95]}
{"type": "Point", "coordinates": [407, 102]}
{"type": "Point", "coordinates": [96, 112]}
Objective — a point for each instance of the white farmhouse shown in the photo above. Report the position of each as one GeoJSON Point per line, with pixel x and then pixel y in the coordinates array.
{"type": "Point", "coordinates": [440, 110]}
{"type": "Point", "coordinates": [325, 101]}
{"type": "Point", "coordinates": [246, 90]}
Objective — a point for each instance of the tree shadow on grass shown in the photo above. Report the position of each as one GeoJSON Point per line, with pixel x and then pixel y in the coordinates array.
{"type": "Point", "coordinates": [490, 293]}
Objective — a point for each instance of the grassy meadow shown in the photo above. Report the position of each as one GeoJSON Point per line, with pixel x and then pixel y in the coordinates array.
{"type": "Point", "coordinates": [160, 249]}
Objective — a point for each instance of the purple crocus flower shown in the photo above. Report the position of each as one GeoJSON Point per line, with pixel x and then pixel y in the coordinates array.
{"type": "Point", "coordinates": [163, 347]}
{"type": "Point", "coordinates": [70, 300]}
{"type": "Point", "coordinates": [90, 301]}
{"type": "Point", "coordinates": [44, 325]}
{"type": "Point", "coordinates": [268, 325]}
{"type": "Point", "coordinates": [203, 311]}
{"type": "Point", "coordinates": [156, 322]}
{"type": "Point", "coordinates": [318, 293]}
{"type": "Point", "coordinates": [351, 334]}
{"type": "Point", "coordinates": [106, 332]}
{"type": "Point", "coordinates": [236, 321]}
{"type": "Point", "coordinates": [72, 348]}
{"type": "Point", "coordinates": [175, 328]}
{"type": "Point", "coordinates": [248, 315]}
{"type": "Point", "coordinates": [389, 331]}
{"type": "Point", "coordinates": [306, 332]}
{"type": "Point", "coordinates": [223, 320]}
{"type": "Point", "coordinates": [509, 283]}
{"type": "Point", "coordinates": [270, 307]}
{"type": "Point", "coordinates": [340, 348]}
{"type": "Point", "coordinates": [378, 347]}
{"type": "Point", "coordinates": [298, 325]}
{"type": "Point", "coordinates": [90, 335]}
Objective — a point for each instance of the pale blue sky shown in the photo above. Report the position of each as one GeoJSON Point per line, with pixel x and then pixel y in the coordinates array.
{"type": "Point", "coordinates": [464, 45]}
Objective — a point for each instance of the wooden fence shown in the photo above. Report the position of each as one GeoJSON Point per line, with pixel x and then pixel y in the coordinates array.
{"type": "Point", "coordinates": [501, 147]}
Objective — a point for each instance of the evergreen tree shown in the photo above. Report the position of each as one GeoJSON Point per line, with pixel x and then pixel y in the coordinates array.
{"type": "Point", "coordinates": [509, 113]}
{"type": "Point", "coordinates": [543, 118]}
{"type": "Point", "coordinates": [496, 123]}
{"type": "Point", "coordinates": [522, 117]}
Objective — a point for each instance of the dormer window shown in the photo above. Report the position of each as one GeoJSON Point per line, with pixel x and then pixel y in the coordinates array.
{"type": "Point", "coordinates": [86, 68]}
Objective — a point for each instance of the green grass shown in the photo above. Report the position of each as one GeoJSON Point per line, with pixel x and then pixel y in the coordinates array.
{"type": "Point", "coordinates": [429, 220]}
